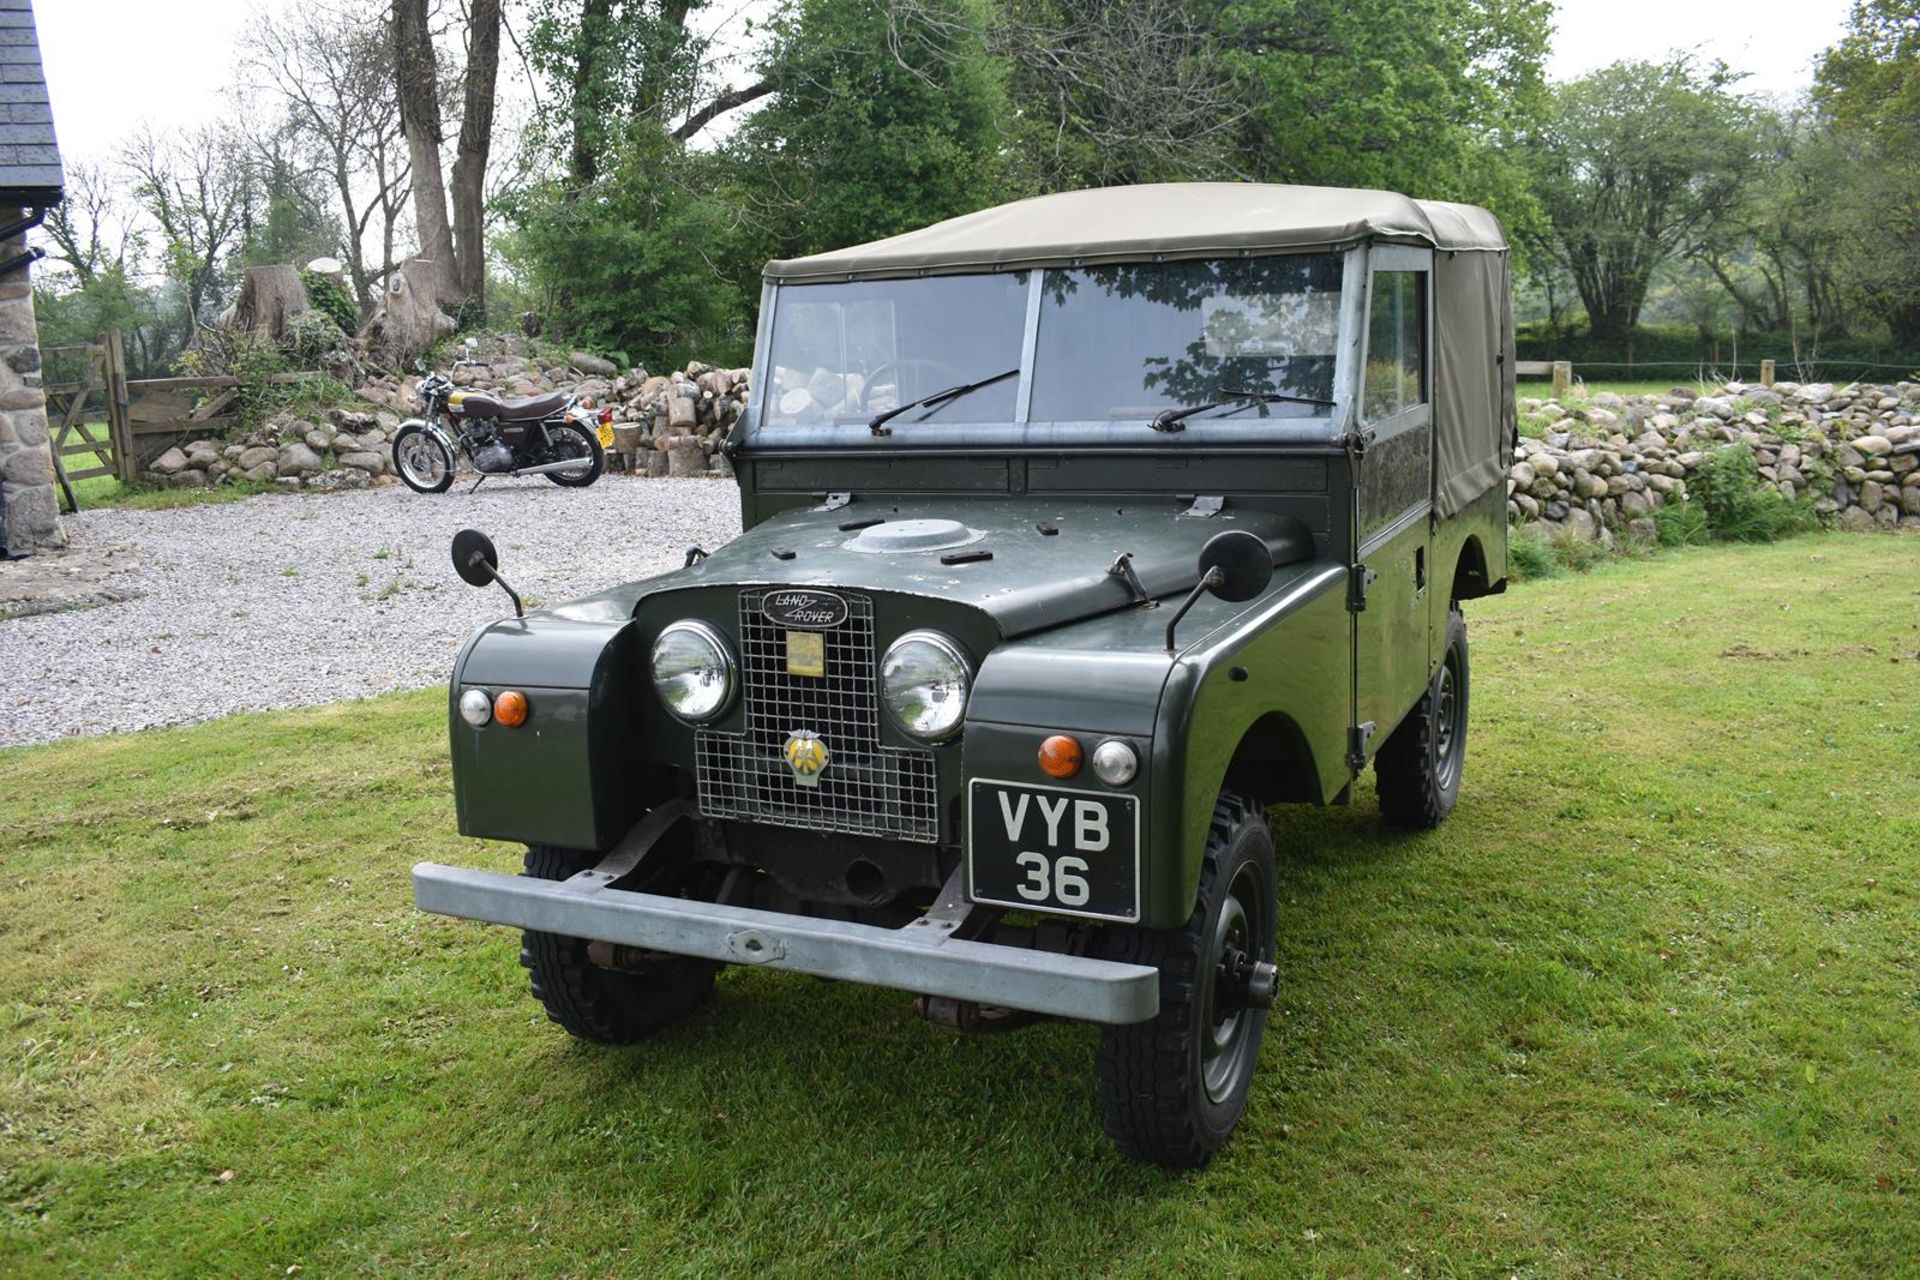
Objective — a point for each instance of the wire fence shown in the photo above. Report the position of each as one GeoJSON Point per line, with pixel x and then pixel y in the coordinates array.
{"type": "Point", "coordinates": [1811, 370]}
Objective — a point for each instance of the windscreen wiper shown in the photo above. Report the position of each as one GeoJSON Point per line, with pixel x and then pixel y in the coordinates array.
{"type": "Point", "coordinates": [1175, 419]}
{"type": "Point", "coordinates": [879, 426]}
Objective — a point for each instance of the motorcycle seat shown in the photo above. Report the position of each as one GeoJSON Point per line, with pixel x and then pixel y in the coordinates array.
{"type": "Point", "coordinates": [531, 409]}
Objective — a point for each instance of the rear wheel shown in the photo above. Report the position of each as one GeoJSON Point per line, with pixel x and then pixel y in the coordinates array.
{"type": "Point", "coordinates": [422, 459]}
{"type": "Point", "coordinates": [1172, 1088]}
{"type": "Point", "coordinates": [571, 440]}
{"type": "Point", "coordinates": [606, 1006]}
{"type": "Point", "coordinates": [1417, 771]}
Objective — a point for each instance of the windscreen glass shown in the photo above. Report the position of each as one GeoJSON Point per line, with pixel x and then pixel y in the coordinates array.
{"type": "Point", "coordinates": [844, 353]}
{"type": "Point", "coordinates": [1128, 342]}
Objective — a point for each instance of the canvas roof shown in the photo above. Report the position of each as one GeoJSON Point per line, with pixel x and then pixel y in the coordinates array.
{"type": "Point", "coordinates": [1193, 219]}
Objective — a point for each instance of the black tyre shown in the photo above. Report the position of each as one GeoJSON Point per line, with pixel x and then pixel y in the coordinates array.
{"type": "Point", "coordinates": [570, 440]}
{"type": "Point", "coordinates": [606, 1006]}
{"type": "Point", "coordinates": [422, 460]}
{"type": "Point", "coordinates": [1417, 770]}
{"type": "Point", "coordinates": [1172, 1088]}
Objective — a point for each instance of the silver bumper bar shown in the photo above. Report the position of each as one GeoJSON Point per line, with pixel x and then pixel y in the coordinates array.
{"type": "Point", "coordinates": [922, 958]}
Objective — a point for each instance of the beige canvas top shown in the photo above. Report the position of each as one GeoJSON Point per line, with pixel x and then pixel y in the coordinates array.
{"type": "Point", "coordinates": [1185, 220]}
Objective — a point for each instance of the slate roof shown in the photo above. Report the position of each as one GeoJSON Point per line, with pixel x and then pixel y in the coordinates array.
{"type": "Point", "coordinates": [29, 157]}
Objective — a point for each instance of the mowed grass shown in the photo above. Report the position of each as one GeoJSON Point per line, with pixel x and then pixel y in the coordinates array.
{"type": "Point", "coordinates": [1647, 1005]}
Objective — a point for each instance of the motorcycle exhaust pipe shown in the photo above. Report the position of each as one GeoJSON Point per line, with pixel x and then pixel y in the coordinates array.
{"type": "Point", "coordinates": [545, 467]}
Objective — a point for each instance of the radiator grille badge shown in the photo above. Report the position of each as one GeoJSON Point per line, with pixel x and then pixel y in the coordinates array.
{"type": "Point", "coordinates": [807, 756]}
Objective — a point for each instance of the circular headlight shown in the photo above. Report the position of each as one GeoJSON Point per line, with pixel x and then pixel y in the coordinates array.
{"type": "Point", "coordinates": [476, 708]}
{"type": "Point", "coordinates": [924, 681]}
{"type": "Point", "coordinates": [693, 671]}
{"type": "Point", "coordinates": [1115, 762]}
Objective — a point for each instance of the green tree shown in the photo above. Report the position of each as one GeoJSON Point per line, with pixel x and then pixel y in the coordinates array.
{"type": "Point", "coordinates": [1869, 83]}
{"type": "Point", "coordinates": [1382, 93]}
{"type": "Point", "coordinates": [631, 262]}
{"type": "Point", "coordinates": [883, 118]}
{"type": "Point", "coordinates": [1632, 164]}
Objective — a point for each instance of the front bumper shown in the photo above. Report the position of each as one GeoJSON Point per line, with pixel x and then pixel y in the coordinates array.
{"type": "Point", "coordinates": [923, 957]}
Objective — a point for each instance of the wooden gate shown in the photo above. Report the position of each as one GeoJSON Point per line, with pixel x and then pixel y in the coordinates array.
{"type": "Point", "coordinates": [87, 411]}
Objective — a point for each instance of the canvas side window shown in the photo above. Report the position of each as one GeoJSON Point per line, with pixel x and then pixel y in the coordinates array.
{"type": "Point", "coordinates": [1396, 377]}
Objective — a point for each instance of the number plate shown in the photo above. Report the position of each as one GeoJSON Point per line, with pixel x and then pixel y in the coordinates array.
{"type": "Point", "coordinates": [1052, 849]}
{"type": "Point", "coordinates": [606, 435]}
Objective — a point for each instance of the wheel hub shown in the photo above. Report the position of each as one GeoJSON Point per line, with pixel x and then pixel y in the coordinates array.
{"type": "Point", "coordinates": [1243, 982]}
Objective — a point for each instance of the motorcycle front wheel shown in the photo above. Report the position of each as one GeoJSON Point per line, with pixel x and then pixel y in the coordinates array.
{"type": "Point", "coordinates": [422, 459]}
{"type": "Point", "coordinates": [571, 440]}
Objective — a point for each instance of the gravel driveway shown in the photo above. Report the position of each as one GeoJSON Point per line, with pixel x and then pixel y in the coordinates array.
{"type": "Point", "coordinates": [285, 600]}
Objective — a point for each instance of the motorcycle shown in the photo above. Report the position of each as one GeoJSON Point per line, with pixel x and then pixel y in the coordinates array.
{"type": "Point", "coordinates": [561, 436]}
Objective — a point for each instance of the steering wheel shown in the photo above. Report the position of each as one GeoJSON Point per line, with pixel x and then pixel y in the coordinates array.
{"type": "Point", "coordinates": [950, 376]}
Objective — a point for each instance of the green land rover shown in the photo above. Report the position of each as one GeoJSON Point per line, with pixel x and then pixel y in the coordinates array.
{"type": "Point", "coordinates": [1079, 533]}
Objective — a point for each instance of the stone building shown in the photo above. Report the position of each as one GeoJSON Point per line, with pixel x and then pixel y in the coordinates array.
{"type": "Point", "coordinates": [31, 182]}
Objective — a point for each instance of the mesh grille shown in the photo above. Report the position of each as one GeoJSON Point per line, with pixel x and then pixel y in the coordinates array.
{"type": "Point", "coordinates": [867, 789]}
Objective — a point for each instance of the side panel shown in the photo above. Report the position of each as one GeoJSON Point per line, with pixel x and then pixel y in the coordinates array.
{"type": "Point", "coordinates": [567, 776]}
{"type": "Point", "coordinates": [1289, 655]}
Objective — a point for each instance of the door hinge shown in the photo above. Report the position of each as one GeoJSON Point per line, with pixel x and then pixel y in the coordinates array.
{"type": "Point", "coordinates": [1359, 578]}
{"type": "Point", "coordinates": [1205, 507]}
{"type": "Point", "coordinates": [1357, 739]}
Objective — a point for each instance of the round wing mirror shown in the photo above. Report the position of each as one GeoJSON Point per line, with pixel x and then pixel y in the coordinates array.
{"type": "Point", "coordinates": [473, 345]}
{"type": "Point", "coordinates": [1243, 561]}
{"type": "Point", "coordinates": [474, 558]}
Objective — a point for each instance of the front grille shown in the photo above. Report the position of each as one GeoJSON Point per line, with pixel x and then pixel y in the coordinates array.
{"type": "Point", "coordinates": [867, 789]}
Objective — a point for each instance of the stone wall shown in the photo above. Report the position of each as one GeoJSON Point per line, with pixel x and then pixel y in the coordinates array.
{"type": "Point", "coordinates": [26, 457]}
{"type": "Point", "coordinates": [1602, 466]}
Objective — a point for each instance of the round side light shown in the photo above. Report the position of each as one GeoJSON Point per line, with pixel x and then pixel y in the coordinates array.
{"type": "Point", "coordinates": [1115, 762]}
{"type": "Point", "coordinates": [476, 708]}
{"type": "Point", "coordinates": [1060, 756]}
{"type": "Point", "coordinates": [510, 708]}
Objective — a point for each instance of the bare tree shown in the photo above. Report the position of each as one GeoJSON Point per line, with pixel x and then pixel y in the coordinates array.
{"type": "Point", "coordinates": [459, 265]}
{"type": "Point", "coordinates": [198, 188]}
{"type": "Point", "coordinates": [90, 229]}
{"type": "Point", "coordinates": [329, 69]}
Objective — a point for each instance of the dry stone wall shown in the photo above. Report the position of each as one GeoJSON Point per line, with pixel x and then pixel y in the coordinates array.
{"type": "Point", "coordinates": [1600, 468]}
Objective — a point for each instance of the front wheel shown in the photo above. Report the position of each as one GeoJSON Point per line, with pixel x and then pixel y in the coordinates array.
{"type": "Point", "coordinates": [1173, 1088]}
{"type": "Point", "coordinates": [571, 440]}
{"type": "Point", "coordinates": [1417, 771]}
{"type": "Point", "coordinates": [422, 459]}
{"type": "Point", "coordinates": [606, 1006]}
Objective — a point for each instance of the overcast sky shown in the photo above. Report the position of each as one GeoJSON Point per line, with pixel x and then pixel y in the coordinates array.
{"type": "Point", "coordinates": [113, 62]}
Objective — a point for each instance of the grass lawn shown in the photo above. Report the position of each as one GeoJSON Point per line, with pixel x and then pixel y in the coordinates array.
{"type": "Point", "coordinates": [1648, 1005]}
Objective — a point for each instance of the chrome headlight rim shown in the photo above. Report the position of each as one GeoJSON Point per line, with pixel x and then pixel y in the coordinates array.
{"type": "Point", "coordinates": [729, 668]}
{"type": "Point", "coordinates": [950, 649]}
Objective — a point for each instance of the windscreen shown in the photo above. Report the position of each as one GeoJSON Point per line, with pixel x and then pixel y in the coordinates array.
{"type": "Point", "coordinates": [844, 353]}
{"type": "Point", "coordinates": [1128, 342]}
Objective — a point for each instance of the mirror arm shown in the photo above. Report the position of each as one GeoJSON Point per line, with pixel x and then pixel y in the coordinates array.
{"type": "Point", "coordinates": [519, 610]}
{"type": "Point", "coordinates": [1208, 581]}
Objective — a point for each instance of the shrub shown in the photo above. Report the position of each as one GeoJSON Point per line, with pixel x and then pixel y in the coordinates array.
{"type": "Point", "coordinates": [1737, 506]}
{"type": "Point", "coordinates": [1682, 524]}
{"type": "Point", "coordinates": [1530, 555]}
{"type": "Point", "coordinates": [331, 299]}
{"type": "Point", "coordinates": [315, 341]}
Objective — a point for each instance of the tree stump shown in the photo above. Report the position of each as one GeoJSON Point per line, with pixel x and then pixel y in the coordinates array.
{"type": "Point", "coordinates": [408, 319]}
{"type": "Point", "coordinates": [269, 298]}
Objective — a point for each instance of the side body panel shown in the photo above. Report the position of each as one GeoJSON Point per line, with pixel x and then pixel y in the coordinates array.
{"type": "Point", "coordinates": [1286, 656]}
